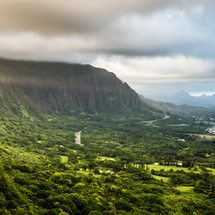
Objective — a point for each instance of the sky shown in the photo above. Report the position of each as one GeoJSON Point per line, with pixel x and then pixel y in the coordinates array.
{"type": "Point", "coordinates": [156, 46]}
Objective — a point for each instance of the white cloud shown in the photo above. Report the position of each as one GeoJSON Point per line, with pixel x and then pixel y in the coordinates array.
{"type": "Point", "coordinates": [162, 74]}
{"type": "Point", "coordinates": [142, 41]}
{"type": "Point", "coordinates": [158, 69]}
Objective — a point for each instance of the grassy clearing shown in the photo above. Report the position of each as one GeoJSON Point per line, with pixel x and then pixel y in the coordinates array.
{"type": "Point", "coordinates": [105, 158]}
{"type": "Point", "coordinates": [84, 172]}
{"type": "Point", "coordinates": [207, 136]}
{"type": "Point", "coordinates": [75, 151]}
{"type": "Point", "coordinates": [64, 159]}
{"type": "Point", "coordinates": [185, 188]}
{"type": "Point", "coordinates": [137, 165]}
{"type": "Point", "coordinates": [159, 167]}
{"type": "Point", "coordinates": [20, 154]}
{"type": "Point", "coordinates": [213, 170]}
{"type": "Point", "coordinates": [87, 172]}
{"type": "Point", "coordinates": [160, 178]}
{"type": "Point", "coordinates": [80, 161]}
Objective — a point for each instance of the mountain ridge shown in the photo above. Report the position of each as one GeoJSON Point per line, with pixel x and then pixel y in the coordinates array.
{"type": "Point", "coordinates": [63, 87]}
{"type": "Point", "coordinates": [182, 110]}
{"type": "Point", "coordinates": [184, 98]}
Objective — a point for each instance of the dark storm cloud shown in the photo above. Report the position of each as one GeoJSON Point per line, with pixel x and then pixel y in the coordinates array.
{"type": "Point", "coordinates": [127, 27]}
{"type": "Point", "coordinates": [139, 40]}
{"type": "Point", "coordinates": [69, 16]}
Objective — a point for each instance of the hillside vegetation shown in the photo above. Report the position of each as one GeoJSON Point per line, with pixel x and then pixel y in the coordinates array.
{"type": "Point", "coordinates": [178, 109]}
{"type": "Point", "coordinates": [125, 165]}
{"type": "Point", "coordinates": [31, 87]}
{"type": "Point", "coordinates": [43, 170]}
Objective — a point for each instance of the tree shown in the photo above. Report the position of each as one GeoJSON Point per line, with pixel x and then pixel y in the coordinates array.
{"type": "Point", "coordinates": [123, 205]}
{"type": "Point", "coordinates": [96, 171]}
{"type": "Point", "coordinates": [95, 213]}
{"type": "Point", "coordinates": [200, 187]}
{"type": "Point", "coordinates": [63, 213]}
{"type": "Point", "coordinates": [72, 157]}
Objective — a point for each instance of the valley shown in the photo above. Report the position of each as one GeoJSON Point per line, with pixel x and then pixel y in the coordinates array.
{"type": "Point", "coordinates": [113, 166]}
{"type": "Point", "coordinates": [104, 152]}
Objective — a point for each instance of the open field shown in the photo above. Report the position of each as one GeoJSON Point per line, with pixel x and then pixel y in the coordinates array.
{"type": "Point", "coordinates": [160, 178]}
{"type": "Point", "coordinates": [105, 158]}
{"type": "Point", "coordinates": [206, 136]}
{"type": "Point", "coordinates": [185, 188]}
{"type": "Point", "coordinates": [64, 159]}
{"type": "Point", "coordinates": [159, 167]}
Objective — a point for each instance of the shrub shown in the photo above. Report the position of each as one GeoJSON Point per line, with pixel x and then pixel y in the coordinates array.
{"type": "Point", "coordinates": [95, 213]}
{"type": "Point", "coordinates": [56, 177]}
{"type": "Point", "coordinates": [123, 205]}
{"type": "Point", "coordinates": [79, 185]}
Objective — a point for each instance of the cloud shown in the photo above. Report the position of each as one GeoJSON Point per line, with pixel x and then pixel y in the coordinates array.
{"type": "Point", "coordinates": [128, 35]}
{"type": "Point", "coordinates": [156, 89]}
{"type": "Point", "coordinates": [69, 16]}
{"type": "Point", "coordinates": [30, 42]}
{"type": "Point", "coordinates": [166, 72]}
{"type": "Point", "coordinates": [142, 41]}
{"type": "Point", "coordinates": [158, 69]}
{"type": "Point", "coordinates": [121, 27]}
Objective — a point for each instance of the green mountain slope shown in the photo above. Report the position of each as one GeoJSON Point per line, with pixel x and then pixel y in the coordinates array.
{"type": "Point", "coordinates": [29, 87]}
{"type": "Point", "coordinates": [11, 197]}
{"type": "Point", "coordinates": [177, 109]}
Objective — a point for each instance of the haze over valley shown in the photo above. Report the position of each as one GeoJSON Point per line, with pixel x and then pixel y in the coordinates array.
{"type": "Point", "coordinates": [183, 97]}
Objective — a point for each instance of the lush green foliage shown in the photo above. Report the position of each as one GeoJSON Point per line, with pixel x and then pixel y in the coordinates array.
{"type": "Point", "coordinates": [43, 170]}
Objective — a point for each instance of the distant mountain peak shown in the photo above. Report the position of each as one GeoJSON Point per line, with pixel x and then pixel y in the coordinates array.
{"type": "Point", "coordinates": [183, 97]}
{"type": "Point", "coordinates": [203, 96]}
{"type": "Point", "coordinates": [182, 93]}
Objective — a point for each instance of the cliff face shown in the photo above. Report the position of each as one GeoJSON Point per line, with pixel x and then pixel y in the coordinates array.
{"type": "Point", "coordinates": [63, 87]}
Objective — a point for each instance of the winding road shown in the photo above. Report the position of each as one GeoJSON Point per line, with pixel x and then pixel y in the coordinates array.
{"type": "Point", "coordinates": [151, 121]}
{"type": "Point", "coordinates": [78, 137]}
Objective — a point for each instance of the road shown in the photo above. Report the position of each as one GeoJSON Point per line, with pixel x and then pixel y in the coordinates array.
{"type": "Point", "coordinates": [151, 121]}
{"type": "Point", "coordinates": [78, 137]}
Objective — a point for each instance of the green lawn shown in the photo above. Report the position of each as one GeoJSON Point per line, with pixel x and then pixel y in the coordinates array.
{"type": "Point", "coordinates": [105, 158]}
{"type": "Point", "coordinates": [64, 159]}
{"type": "Point", "coordinates": [160, 177]}
{"type": "Point", "coordinates": [75, 151]}
{"type": "Point", "coordinates": [159, 167]}
{"type": "Point", "coordinates": [88, 171]}
{"type": "Point", "coordinates": [185, 188]}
